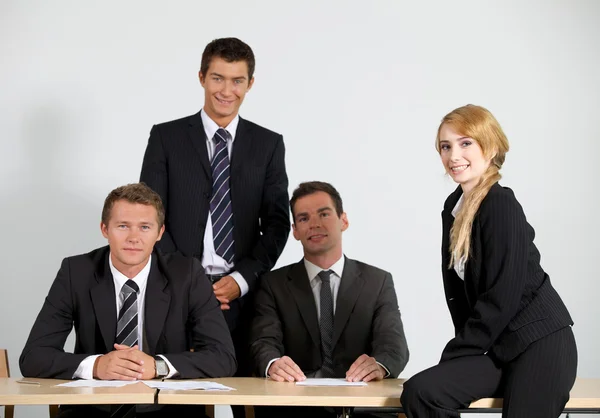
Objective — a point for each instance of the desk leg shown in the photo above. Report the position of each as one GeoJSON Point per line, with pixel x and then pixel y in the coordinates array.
{"type": "Point", "coordinates": [345, 412]}
{"type": "Point", "coordinates": [122, 411]}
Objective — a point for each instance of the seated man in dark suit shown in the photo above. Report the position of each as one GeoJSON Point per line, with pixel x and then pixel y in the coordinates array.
{"type": "Point", "coordinates": [328, 315]}
{"type": "Point", "coordinates": [136, 312]}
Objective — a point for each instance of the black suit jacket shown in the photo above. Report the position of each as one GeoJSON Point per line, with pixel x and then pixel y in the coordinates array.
{"type": "Point", "coordinates": [181, 312]}
{"type": "Point", "coordinates": [506, 301]}
{"type": "Point", "coordinates": [176, 166]}
{"type": "Point", "coordinates": [366, 321]}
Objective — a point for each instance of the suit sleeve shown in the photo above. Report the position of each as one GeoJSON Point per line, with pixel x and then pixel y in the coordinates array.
{"type": "Point", "coordinates": [156, 176]}
{"type": "Point", "coordinates": [389, 342]}
{"type": "Point", "coordinates": [504, 235]}
{"type": "Point", "coordinates": [43, 355]}
{"type": "Point", "coordinates": [274, 220]}
{"type": "Point", "coordinates": [213, 355]}
{"type": "Point", "coordinates": [266, 334]}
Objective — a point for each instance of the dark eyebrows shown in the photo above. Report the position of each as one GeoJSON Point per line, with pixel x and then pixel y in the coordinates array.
{"type": "Point", "coordinates": [325, 209]}
{"type": "Point", "coordinates": [222, 76]}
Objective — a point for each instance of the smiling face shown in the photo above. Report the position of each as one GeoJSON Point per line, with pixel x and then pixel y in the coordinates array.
{"type": "Point", "coordinates": [132, 231]}
{"type": "Point", "coordinates": [225, 86]}
{"type": "Point", "coordinates": [318, 227]}
{"type": "Point", "coordinates": [462, 157]}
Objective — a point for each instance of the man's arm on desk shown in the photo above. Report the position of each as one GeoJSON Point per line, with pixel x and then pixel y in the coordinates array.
{"type": "Point", "coordinates": [43, 354]}
{"type": "Point", "coordinates": [266, 336]}
{"type": "Point", "coordinates": [214, 354]}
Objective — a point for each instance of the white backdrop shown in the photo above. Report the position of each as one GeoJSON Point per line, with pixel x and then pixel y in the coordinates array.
{"type": "Point", "coordinates": [356, 88]}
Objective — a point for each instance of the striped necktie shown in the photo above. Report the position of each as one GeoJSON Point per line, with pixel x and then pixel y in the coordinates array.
{"type": "Point", "coordinates": [220, 202]}
{"type": "Point", "coordinates": [127, 323]}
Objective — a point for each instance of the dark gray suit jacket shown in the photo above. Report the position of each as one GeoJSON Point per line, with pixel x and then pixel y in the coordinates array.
{"type": "Point", "coordinates": [367, 320]}
{"type": "Point", "coordinates": [181, 312]}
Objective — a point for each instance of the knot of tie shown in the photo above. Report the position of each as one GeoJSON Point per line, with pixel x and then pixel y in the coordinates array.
{"type": "Point", "coordinates": [221, 135]}
{"type": "Point", "coordinates": [325, 275]}
{"type": "Point", "coordinates": [130, 287]}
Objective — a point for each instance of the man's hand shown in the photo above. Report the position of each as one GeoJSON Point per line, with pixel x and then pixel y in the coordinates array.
{"type": "Point", "coordinates": [285, 370]}
{"type": "Point", "coordinates": [226, 290]}
{"type": "Point", "coordinates": [365, 369]}
{"type": "Point", "coordinates": [119, 365]}
{"type": "Point", "coordinates": [149, 370]}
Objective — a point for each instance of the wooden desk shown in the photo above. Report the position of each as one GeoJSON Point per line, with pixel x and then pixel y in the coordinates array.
{"type": "Point", "coordinates": [258, 391]}
{"type": "Point", "coordinates": [254, 391]}
{"type": "Point", "coordinates": [46, 393]}
{"type": "Point", "coordinates": [585, 395]}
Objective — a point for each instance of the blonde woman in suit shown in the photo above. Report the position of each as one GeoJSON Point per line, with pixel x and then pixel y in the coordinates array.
{"type": "Point", "coordinates": [513, 332]}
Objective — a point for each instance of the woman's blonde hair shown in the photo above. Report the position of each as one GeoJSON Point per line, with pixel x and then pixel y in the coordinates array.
{"type": "Point", "coordinates": [480, 125]}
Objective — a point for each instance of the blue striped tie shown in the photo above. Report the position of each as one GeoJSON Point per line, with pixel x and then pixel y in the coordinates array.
{"type": "Point", "coordinates": [220, 203]}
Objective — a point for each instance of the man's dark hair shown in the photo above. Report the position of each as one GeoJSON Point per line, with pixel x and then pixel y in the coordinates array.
{"type": "Point", "coordinates": [229, 49]}
{"type": "Point", "coordinates": [310, 187]}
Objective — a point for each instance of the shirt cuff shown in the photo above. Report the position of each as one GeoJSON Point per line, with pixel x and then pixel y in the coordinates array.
{"type": "Point", "coordinates": [172, 370]}
{"type": "Point", "coordinates": [85, 370]}
{"type": "Point", "coordinates": [242, 283]}
{"type": "Point", "coordinates": [269, 365]}
{"type": "Point", "coordinates": [387, 372]}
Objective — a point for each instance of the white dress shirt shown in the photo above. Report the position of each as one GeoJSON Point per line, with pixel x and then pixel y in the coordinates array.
{"type": "Point", "coordinates": [85, 369]}
{"type": "Point", "coordinates": [335, 278]}
{"type": "Point", "coordinates": [459, 265]}
{"type": "Point", "coordinates": [211, 261]}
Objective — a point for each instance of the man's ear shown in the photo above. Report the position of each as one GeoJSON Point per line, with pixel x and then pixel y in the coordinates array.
{"type": "Point", "coordinates": [104, 230]}
{"type": "Point", "coordinates": [345, 222]}
{"type": "Point", "coordinates": [160, 233]}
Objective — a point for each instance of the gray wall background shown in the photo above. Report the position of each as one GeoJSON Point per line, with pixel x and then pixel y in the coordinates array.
{"type": "Point", "coordinates": [356, 88]}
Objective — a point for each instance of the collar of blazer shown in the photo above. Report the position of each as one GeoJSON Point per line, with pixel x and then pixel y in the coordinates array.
{"type": "Point", "coordinates": [105, 306]}
{"type": "Point", "coordinates": [197, 136]}
{"type": "Point", "coordinates": [351, 285]}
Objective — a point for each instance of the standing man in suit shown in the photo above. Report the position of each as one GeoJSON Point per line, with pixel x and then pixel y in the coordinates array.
{"type": "Point", "coordinates": [136, 312]}
{"type": "Point", "coordinates": [224, 186]}
{"type": "Point", "coordinates": [328, 315]}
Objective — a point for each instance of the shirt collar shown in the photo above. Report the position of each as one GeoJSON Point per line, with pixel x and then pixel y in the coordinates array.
{"type": "Point", "coordinates": [313, 270]}
{"type": "Point", "coordinates": [141, 279]}
{"type": "Point", "coordinates": [457, 206]}
{"type": "Point", "coordinates": [210, 126]}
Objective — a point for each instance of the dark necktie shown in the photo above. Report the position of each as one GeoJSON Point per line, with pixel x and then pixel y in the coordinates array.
{"type": "Point", "coordinates": [220, 202]}
{"type": "Point", "coordinates": [127, 323]}
{"type": "Point", "coordinates": [326, 324]}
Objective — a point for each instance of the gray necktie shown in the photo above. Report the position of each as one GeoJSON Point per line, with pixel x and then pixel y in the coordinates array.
{"type": "Point", "coordinates": [127, 323]}
{"type": "Point", "coordinates": [326, 324]}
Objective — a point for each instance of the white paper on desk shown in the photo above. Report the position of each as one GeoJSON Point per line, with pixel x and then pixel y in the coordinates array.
{"type": "Point", "coordinates": [329, 382]}
{"type": "Point", "coordinates": [186, 385]}
{"type": "Point", "coordinates": [97, 383]}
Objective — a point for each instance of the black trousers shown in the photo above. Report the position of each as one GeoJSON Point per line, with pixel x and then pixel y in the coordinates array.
{"type": "Point", "coordinates": [167, 411]}
{"type": "Point", "coordinates": [311, 412]}
{"type": "Point", "coordinates": [535, 384]}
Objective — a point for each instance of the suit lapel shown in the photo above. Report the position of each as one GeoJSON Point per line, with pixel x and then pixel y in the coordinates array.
{"type": "Point", "coordinates": [157, 304]}
{"type": "Point", "coordinates": [452, 283]}
{"type": "Point", "coordinates": [104, 301]}
{"type": "Point", "coordinates": [300, 290]}
{"type": "Point", "coordinates": [242, 148]}
{"type": "Point", "coordinates": [198, 138]}
{"type": "Point", "coordinates": [350, 287]}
